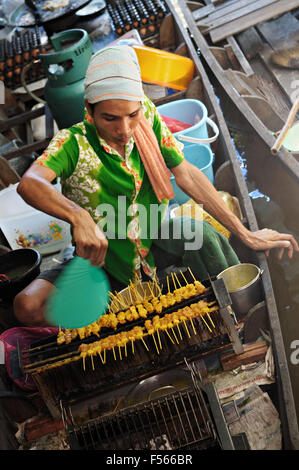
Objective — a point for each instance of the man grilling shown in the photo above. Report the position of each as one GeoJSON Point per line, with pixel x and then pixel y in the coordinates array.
{"type": "Point", "coordinates": [121, 154]}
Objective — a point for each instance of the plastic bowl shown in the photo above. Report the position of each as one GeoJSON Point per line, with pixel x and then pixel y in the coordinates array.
{"type": "Point", "coordinates": [164, 68]}
{"type": "Point", "coordinates": [21, 267]}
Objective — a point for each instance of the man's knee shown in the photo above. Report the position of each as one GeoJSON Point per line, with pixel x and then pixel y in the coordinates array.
{"type": "Point", "coordinates": [27, 309]}
{"type": "Point", "coordinates": [29, 304]}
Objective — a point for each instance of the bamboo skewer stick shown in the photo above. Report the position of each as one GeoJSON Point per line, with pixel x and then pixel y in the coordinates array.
{"type": "Point", "coordinates": [193, 326]}
{"type": "Point", "coordinates": [191, 273]}
{"type": "Point", "coordinates": [184, 278]}
{"type": "Point", "coordinates": [144, 293]}
{"type": "Point", "coordinates": [201, 316]}
{"type": "Point", "coordinates": [168, 284]}
{"type": "Point", "coordinates": [167, 332]}
{"type": "Point", "coordinates": [283, 133]}
{"type": "Point", "coordinates": [130, 295]}
{"type": "Point", "coordinates": [159, 339]}
{"type": "Point", "coordinates": [175, 337]}
{"type": "Point", "coordinates": [155, 342]}
{"type": "Point", "coordinates": [186, 329]}
{"type": "Point", "coordinates": [177, 280]}
{"type": "Point", "coordinates": [173, 280]}
{"type": "Point", "coordinates": [144, 344]}
{"type": "Point", "coordinates": [179, 332]}
{"type": "Point", "coordinates": [209, 317]}
{"type": "Point", "coordinates": [100, 357]}
{"type": "Point", "coordinates": [150, 289]}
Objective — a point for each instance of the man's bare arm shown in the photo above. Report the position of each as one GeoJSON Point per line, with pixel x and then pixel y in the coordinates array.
{"type": "Point", "coordinates": [36, 189]}
{"type": "Point", "coordinates": [193, 182]}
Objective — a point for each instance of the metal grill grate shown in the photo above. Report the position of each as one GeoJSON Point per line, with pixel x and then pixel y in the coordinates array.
{"type": "Point", "coordinates": [176, 421]}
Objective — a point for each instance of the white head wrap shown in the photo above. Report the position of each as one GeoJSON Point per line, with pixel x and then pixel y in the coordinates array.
{"type": "Point", "coordinates": [113, 73]}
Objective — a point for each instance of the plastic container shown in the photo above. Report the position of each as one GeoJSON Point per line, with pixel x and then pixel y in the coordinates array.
{"type": "Point", "coordinates": [291, 141]}
{"type": "Point", "coordinates": [203, 158]}
{"type": "Point", "coordinates": [164, 68]}
{"type": "Point", "coordinates": [191, 112]}
{"type": "Point", "coordinates": [25, 227]}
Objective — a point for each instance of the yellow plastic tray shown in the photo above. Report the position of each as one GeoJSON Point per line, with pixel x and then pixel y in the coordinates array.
{"type": "Point", "coordinates": [164, 68]}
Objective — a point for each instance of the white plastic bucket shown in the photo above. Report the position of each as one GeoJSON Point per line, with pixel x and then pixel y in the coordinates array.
{"type": "Point", "coordinates": [191, 112]}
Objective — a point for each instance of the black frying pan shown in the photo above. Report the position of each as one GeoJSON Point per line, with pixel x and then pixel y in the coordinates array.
{"type": "Point", "coordinates": [31, 13]}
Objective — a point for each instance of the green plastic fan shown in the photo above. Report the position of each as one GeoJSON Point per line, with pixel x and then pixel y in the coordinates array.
{"type": "Point", "coordinates": [81, 296]}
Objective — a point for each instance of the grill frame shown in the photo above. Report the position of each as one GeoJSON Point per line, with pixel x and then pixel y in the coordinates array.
{"type": "Point", "coordinates": [181, 419]}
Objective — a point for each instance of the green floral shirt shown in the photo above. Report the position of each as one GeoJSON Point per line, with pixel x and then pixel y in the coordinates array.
{"type": "Point", "coordinates": [115, 190]}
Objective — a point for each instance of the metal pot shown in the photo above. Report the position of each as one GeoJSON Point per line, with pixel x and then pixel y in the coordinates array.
{"type": "Point", "coordinates": [243, 282]}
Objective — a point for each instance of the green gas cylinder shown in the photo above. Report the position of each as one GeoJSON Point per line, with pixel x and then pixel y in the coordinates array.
{"type": "Point", "coordinates": [65, 70]}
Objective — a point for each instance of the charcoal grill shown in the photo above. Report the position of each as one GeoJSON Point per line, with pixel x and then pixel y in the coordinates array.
{"type": "Point", "coordinates": [178, 420]}
{"type": "Point", "coordinates": [62, 376]}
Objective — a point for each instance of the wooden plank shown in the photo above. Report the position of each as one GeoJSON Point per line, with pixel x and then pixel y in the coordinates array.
{"type": "Point", "coordinates": [203, 12]}
{"type": "Point", "coordinates": [195, 5]}
{"type": "Point", "coordinates": [20, 118]}
{"type": "Point", "coordinates": [7, 173]}
{"type": "Point", "coordinates": [263, 14]}
{"type": "Point", "coordinates": [240, 56]}
{"type": "Point", "coordinates": [281, 32]}
{"type": "Point", "coordinates": [250, 41]}
{"type": "Point", "coordinates": [288, 163]}
{"type": "Point", "coordinates": [232, 58]}
{"type": "Point", "coordinates": [41, 426]}
{"type": "Point", "coordinates": [27, 149]}
{"type": "Point", "coordinates": [242, 86]}
{"type": "Point", "coordinates": [217, 2]}
{"type": "Point", "coordinates": [221, 56]}
{"type": "Point", "coordinates": [240, 12]}
{"type": "Point", "coordinates": [252, 353]}
{"type": "Point", "coordinates": [226, 9]}
{"type": "Point", "coordinates": [264, 112]}
{"type": "Point", "coordinates": [284, 77]}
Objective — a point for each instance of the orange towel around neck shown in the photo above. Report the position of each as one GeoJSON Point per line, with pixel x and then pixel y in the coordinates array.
{"type": "Point", "coordinates": [154, 164]}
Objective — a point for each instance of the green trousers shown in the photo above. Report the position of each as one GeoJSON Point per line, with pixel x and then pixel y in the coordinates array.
{"type": "Point", "coordinates": [179, 243]}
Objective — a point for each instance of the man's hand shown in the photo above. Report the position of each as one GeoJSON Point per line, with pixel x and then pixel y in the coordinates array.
{"type": "Point", "coordinates": [194, 183]}
{"type": "Point", "coordinates": [267, 239]}
{"type": "Point", "coordinates": [90, 241]}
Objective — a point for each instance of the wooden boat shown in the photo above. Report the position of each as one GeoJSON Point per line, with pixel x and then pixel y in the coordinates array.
{"type": "Point", "coordinates": [238, 42]}
{"type": "Point", "coordinates": [228, 177]}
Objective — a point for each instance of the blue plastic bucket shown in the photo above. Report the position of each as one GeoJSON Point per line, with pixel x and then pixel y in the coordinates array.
{"type": "Point", "coordinates": [191, 112]}
{"type": "Point", "coordinates": [201, 156]}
